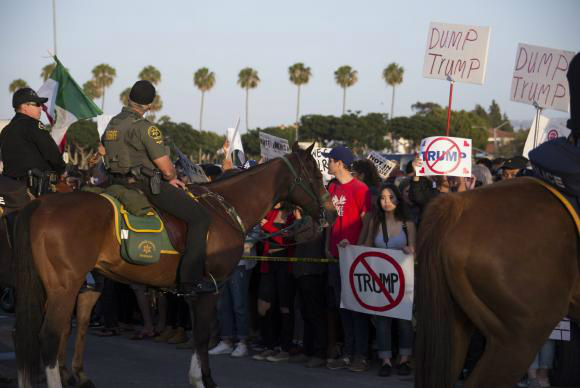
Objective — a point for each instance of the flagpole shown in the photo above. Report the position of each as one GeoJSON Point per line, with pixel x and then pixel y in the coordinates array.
{"type": "Point", "coordinates": [54, 25]}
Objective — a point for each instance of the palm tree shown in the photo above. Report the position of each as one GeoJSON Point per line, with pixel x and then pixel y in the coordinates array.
{"type": "Point", "coordinates": [204, 80]}
{"type": "Point", "coordinates": [299, 75]}
{"type": "Point", "coordinates": [124, 96]}
{"type": "Point", "coordinates": [47, 71]}
{"type": "Point", "coordinates": [91, 89]}
{"type": "Point", "coordinates": [345, 77]}
{"type": "Point", "coordinates": [151, 74]}
{"type": "Point", "coordinates": [103, 75]}
{"type": "Point", "coordinates": [17, 84]}
{"type": "Point", "coordinates": [248, 79]}
{"type": "Point", "coordinates": [393, 76]}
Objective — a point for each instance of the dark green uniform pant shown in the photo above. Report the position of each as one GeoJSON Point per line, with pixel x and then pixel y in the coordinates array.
{"type": "Point", "coordinates": [178, 203]}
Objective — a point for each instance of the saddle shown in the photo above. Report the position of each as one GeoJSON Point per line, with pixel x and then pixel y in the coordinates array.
{"type": "Point", "coordinates": [13, 195]}
{"type": "Point", "coordinates": [144, 236]}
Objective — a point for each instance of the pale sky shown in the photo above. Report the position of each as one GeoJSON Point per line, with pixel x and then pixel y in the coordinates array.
{"type": "Point", "coordinates": [178, 37]}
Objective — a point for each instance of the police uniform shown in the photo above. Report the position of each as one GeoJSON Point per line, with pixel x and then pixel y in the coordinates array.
{"type": "Point", "coordinates": [26, 144]}
{"type": "Point", "coordinates": [132, 143]}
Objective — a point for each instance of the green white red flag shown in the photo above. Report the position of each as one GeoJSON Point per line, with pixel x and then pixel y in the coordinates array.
{"type": "Point", "coordinates": [66, 102]}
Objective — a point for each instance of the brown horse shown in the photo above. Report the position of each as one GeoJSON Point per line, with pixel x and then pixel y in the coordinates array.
{"type": "Point", "coordinates": [62, 237]}
{"type": "Point", "coordinates": [502, 259]}
{"type": "Point", "coordinates": [86, 299]}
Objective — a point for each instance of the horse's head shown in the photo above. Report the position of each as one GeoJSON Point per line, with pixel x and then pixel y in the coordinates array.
{"type": "Point", "coordinates": [307, 189]}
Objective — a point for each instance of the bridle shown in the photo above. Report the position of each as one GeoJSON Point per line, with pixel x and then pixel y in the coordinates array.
{"type": "Point", "coordinates": [316, 201]}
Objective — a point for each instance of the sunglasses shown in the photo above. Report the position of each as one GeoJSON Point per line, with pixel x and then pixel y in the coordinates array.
{"type": "Point", "coordinates": [36, 104]}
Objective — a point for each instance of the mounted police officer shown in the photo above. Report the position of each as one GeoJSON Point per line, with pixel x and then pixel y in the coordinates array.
{"type": "Point", "coordinates": [137, 156]}
{"type": "Point", "coordinates": [29, 153]}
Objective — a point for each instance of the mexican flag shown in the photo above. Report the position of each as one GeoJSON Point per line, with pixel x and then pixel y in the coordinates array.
{"type": "Point", "coordinates": [66, 102]}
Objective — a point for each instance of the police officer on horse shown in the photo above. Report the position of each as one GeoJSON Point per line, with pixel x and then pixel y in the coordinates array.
{"type": "Point", "coordinates": [137, 157]}
{"type": "Point", "coordinates": [29, 153]}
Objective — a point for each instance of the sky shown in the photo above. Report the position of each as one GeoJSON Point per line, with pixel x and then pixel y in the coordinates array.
{"type": "Point", "coordinates": [180, 36]}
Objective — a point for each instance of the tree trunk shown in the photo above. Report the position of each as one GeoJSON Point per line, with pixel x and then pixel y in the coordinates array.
{"type": "Point", "coordinates": [393, 103]}
{"type": "Point", "coordinates": [247, 95]}
{"type": "Point", "coordinates": [201, 111]}
{"type": "Point", "coordinates": [103, 102]}
{"type": "Point", "coordinates": [297, 113]}
{"type": "Point", "coordinates": [343, 100]}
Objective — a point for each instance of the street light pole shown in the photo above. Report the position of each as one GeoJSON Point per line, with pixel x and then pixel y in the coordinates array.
{"type": "Point", "coordinates": [495, 137]}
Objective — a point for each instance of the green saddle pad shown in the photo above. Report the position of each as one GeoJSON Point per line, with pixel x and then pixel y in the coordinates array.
{"type": "Point", "coordinates": [142, 238]}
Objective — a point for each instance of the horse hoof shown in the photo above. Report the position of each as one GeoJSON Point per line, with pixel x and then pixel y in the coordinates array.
{"type": "Point", "coordinates": [87, 384]}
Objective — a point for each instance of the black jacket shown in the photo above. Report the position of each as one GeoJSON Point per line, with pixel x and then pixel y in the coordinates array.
{"type": "Point", "coordinates": [25, 144]}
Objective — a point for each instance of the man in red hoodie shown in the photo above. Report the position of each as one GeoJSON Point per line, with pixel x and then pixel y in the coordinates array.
{"type": "Point", "coordinates": [352, 200]}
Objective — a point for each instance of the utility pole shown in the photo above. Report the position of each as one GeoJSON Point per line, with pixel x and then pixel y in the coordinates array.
{"type": "Point", "coordinates": [54, 25]}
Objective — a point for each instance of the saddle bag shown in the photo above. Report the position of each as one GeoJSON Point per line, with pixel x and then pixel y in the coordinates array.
{"type": "Point", "coordinates": [558, 162]}
{"type": "Point", "coordinates": [13, 194]}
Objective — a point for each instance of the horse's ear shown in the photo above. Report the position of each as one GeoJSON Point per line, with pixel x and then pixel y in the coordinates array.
{"type": "Point", "coordinates": [295, 146]}
{"type": "Point", "coordinates": [309, 149]}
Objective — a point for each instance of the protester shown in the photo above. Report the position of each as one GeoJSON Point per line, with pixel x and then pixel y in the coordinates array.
{"type": "Point", "coordinates": [389, 226]}
{"type": "Point", "coordinates": [276, 285]}
{"type": "Point", "coordinates": [351, 198]}
{"type": "Point", "coordinates": [310, 287]}
{"type": "Point", "coordinates": [512, 167]}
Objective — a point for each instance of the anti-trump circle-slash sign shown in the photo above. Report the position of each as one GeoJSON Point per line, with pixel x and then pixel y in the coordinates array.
{"type": "Point", "coordinates": [376, 281]}
{"type": "Point", "coordinates": [444, 155]}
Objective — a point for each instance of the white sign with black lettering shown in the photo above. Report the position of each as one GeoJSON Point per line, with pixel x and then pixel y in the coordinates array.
{"type": "Point", "coordinates": [377, 281]}
{"type": "Point", "coordinates": [272, 147]}
{"type": "Point", "coordinates": [384, 166]}
{"type": "Point", "coordinates": [322, 162]}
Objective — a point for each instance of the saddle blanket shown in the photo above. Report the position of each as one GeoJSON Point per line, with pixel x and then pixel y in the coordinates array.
{"type": "Point", "coordinates": [142, 238]}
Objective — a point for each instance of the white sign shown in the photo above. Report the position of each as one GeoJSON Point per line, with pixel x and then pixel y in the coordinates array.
{"type": "Point", "coordinates": [272, 147]}
{"type": "Point", "coordinates": [443, 155]}
{"type": "Point", "coordinates": [540, 76]}
{"type": "Point", "coordinates": [322, 162]}
{"type": "Point", "coordinates": [547, 129]}
{"type": "Point", "coordinates": [384, 166]}
{"type": "Point", "coordinates": [457, 51]}
{"type": "Point", "coordinates": [377, 281]}
{"type": "Point", "coordinates": [562, 332]}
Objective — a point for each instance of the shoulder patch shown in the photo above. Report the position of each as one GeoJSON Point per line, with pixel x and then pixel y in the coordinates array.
{"type": "Point", "coordinates": [41, 126]}
{"type": "Point", "coordinates": [111, 135]}
{"type": "Point", "coordinates": [155, 134]}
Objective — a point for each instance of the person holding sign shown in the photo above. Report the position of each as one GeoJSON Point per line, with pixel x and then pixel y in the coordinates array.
{"type": "Point", "coordinates": [351, 198]}
{"type": "Point", "coordinates": [389, 226]}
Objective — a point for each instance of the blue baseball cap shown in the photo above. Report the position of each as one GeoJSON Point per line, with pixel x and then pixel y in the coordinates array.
{"type": "Point", "coordinates": [342, 153]}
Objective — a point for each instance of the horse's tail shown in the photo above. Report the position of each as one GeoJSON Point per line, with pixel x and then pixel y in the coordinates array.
{"type": "Point", "coordinates": [434, 303]}
{"type": "Point", "coordinates": [30, 298]}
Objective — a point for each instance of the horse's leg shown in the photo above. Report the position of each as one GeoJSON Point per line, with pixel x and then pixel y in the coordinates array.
{"type": "Point", "coordinates": [65, 374]}
{"type": "Point", "coordinates": [503, 361]}
{"type": "Point", "coordinates": [59, 306]}
{"type": "Point", "coordinates": [462, 329]}
{"type": "Point", "coordinates": [202, 312]}
{"type": "Point", "coordinates": [85, 303]}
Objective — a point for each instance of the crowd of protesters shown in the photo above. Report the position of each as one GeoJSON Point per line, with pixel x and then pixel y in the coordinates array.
{"type": "Point", "coordinates": [276, 311]}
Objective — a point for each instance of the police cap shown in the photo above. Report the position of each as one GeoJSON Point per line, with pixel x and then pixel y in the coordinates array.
{"type": "Point", "coordinates": [24, 95]}
{"type": "Point", "coordinates": [143, 92]}
{"type": "Point", "coordinates": [515, 163]}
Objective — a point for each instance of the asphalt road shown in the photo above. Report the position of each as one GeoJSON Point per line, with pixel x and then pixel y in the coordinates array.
{"type": "Point", "coordinates": [119, 362]}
